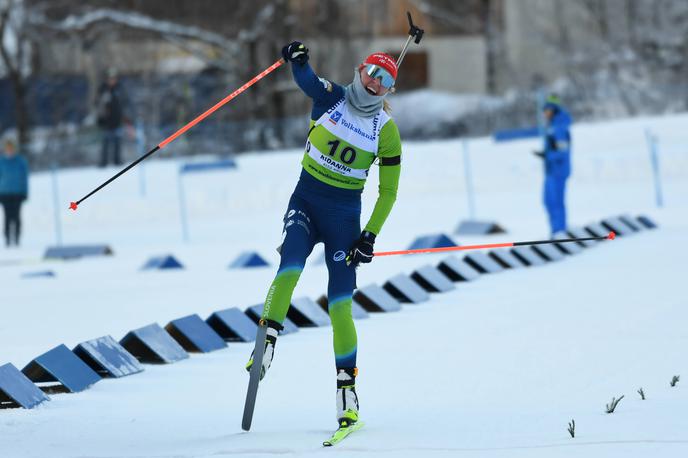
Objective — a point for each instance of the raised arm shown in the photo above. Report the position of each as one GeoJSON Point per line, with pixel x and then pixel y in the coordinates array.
{"type": "Point", "coordinates": [322, 91]}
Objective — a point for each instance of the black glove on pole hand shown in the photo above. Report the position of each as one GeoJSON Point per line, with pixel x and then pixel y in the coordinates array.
{"type": "Point", "coordinates": [295, 52]}
{"type": "Point", "coordinates": [362, 251]}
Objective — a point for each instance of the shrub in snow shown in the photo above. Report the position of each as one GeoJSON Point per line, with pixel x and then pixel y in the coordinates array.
{"type": "Point", "coordinates": [612, 405]}
{"type": "Point", "coordinates": [641, 393]}
{"type": "Point", "coordinates": [572, 428]}
{"type": "Point", "coordinates": [674, 380]}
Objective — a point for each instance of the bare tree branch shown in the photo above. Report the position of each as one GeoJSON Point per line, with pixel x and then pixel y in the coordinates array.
{"type": "Point", "coordinates": [6, 58]}
{"type": "Point", "coordinates": [80, 23]}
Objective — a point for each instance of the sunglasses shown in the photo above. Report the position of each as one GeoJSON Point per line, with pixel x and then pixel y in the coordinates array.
{"type": "Point", "coordinates": [379, 73]}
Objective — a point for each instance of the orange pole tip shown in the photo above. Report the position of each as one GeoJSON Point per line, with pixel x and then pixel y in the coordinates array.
{"type": "Point", "coordinates": [73, 206]}
{"type": "Point", "coordinates": [612, 235]}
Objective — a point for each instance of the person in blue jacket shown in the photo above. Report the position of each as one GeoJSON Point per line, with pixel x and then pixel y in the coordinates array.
{"type": "Point", "coordinates": [14, 189]}
{"type": "Point", "coordinates": [557, 160]}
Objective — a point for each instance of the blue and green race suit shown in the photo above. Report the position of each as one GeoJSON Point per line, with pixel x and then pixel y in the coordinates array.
{"type": "Point", "coordinates": [326, 204]}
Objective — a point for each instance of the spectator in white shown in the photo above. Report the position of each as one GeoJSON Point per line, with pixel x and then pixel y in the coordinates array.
{"type": "Point", "coordinates": [14, 189]}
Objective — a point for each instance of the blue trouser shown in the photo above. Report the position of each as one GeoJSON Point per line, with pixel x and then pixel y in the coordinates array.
{"type": "Point", "coordinates": [305, 225]}
{"type": "Point", "coordinates": [319, 212]}
{"type": "Point", "coordinates": [554, 193]}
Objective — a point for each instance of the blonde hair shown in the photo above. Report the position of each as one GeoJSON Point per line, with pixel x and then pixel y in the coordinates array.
{"type": "Point", "coordinates": [387, 107]}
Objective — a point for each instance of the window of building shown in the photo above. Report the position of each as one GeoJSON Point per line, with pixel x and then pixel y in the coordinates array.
{"type": "Point", "coordinates": [413, 73]}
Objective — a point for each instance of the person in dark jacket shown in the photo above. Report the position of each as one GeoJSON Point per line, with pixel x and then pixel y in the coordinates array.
{"type": "Point", "coordinates": [14, 189]}
{"type": "Point", "coordinates": [110, 118]}
{"type": "Point", "coordinates": [557, 158]}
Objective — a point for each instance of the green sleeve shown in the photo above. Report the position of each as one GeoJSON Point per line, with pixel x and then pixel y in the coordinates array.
{"type": "Point", "coordinates": [389, 153]}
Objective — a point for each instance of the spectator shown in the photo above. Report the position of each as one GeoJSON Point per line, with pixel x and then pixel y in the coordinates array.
{"type": "Point", "coordinates": [110, 108]}
{"type": "Point", "coordinates": [557, 160]}
{"type": "Point", "coordinates": [14, 188]}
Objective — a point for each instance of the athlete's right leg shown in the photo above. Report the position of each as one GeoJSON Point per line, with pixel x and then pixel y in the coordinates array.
{"type": "Point", "coordinates": [299, 237]}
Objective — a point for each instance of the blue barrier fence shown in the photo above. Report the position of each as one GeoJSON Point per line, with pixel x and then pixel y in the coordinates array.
{"type": "Point", "coordinates": [516, 134]}
{"type": "Point", "coordinates": [77, 370]}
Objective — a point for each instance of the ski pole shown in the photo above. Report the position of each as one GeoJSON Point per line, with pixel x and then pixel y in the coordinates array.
{"type": "Point", "coordinates": [609, 236]}
{"type": "Point", "coordinates": [171, 138]}
{"type": "Point", "coordinates": [413, 33]}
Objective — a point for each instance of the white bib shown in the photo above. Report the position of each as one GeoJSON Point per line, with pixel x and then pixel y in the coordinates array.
{"type": "Point", "coordinates": [362, 133]}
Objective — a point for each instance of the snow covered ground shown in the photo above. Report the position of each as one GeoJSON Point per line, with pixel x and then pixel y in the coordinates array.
{"type": "Point", "coordinates": [496, 368]}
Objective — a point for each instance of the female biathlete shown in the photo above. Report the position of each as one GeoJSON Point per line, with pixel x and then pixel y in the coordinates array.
{"type": "Point", "coordinates": [350, 129]}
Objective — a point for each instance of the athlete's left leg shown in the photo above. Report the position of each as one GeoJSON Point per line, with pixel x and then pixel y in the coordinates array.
{"type": "Point", "coordinates": [338, 239]}
{"type": "Point", "coordinates": [339, 236]}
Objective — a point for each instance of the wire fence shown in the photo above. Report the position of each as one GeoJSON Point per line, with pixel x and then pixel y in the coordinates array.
{"type": "Point", "coordinates": [64, 132]}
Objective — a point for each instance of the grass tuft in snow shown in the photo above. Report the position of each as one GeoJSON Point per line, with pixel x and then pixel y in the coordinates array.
{"type": "Point", "coordinates": [612, 405]}
{"type": "Point", "coordinates": [641, 392]}
{"type": "Point", "coordinates": [674, 380]}
{"type": "Point", "coordinates": [572, 428]}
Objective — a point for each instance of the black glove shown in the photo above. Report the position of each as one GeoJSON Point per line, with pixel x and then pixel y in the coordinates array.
{"type": "Point", "coordinates": [540, 154]}
{"type": "Point", "coordinates": [295, 52]}
{"type": "Point", "coordinates": [362, 251]}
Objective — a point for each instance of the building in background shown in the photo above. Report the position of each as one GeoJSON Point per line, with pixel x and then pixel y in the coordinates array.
{"type": "Point", "coordinates": [453, 56]}
{"type": "Point", "coordinates": [609, 58]}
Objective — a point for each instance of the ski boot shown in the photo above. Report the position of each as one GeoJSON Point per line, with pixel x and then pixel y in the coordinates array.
{"type": "Point", "coordinates": [347, 400]}
{"type": "Point", "coordinates": [270, 340]}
